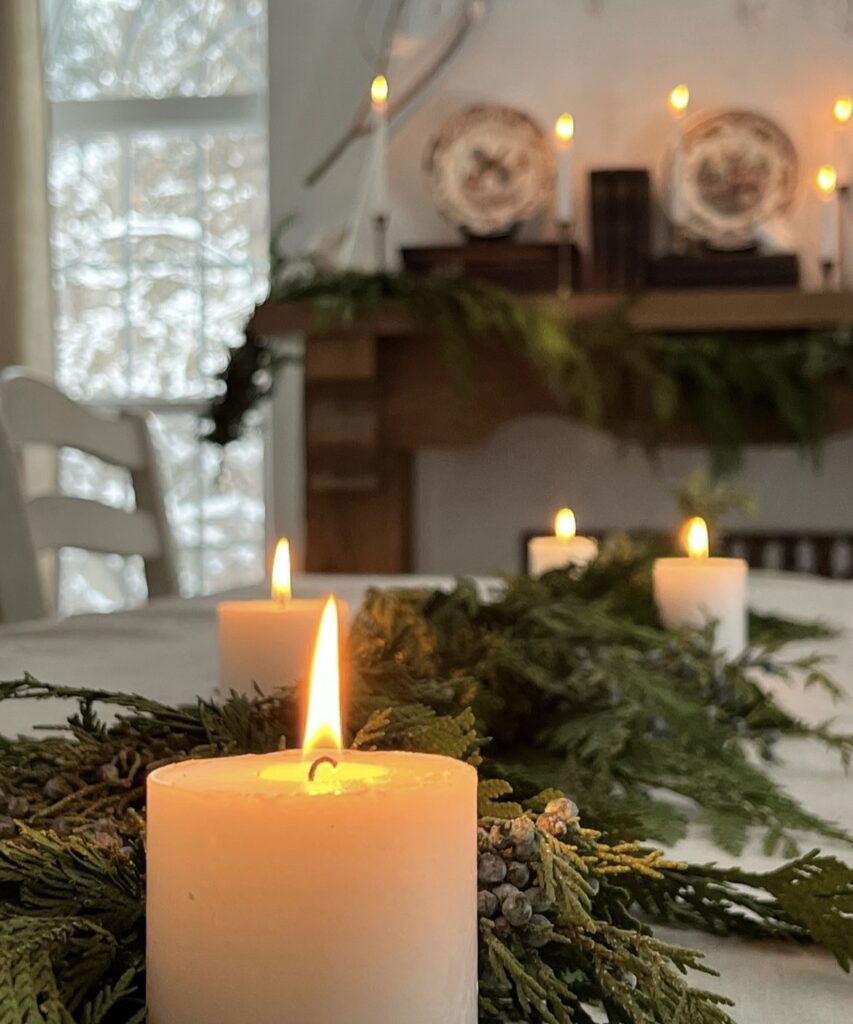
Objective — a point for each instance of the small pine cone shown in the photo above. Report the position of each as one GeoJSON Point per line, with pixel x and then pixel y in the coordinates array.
{"type": "Point", "coordinates": [8, 829]}
{"type": "Point", "coordinates": [517, 874]}
{"type": "Point", "coordinates": [57, 787]}
{"type": "Point", "coordinates": [538, 899]}
{"type": "Point", "coordinates": [63, 827]}
{"type": "Point", "coordinates": [517, 910]}
{"type": "Point", "coordinates": [538, 932]}
{"type": "Point", "coordinates": [110, 775]}
{"type": "Point", "coordinates": [594, 885]}
{"type": "Point", "coordinates": [482, 837]}
{"type": "Point", "coordinates": [487, 903]}
{"type": "Point", "coordinates": [491, 869]}
{"type": "Point", "coordinates": [551, 824]}
{"type": "Point", "coordinates": [17, 806]}
{"type": "Point", "coordinates": [503, 929]}
{"type": "Point", "coordinates": [562, 808]}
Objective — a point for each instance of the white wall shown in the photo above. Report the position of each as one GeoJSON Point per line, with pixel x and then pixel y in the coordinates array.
{"type": "Point", "coordinates": [613, 70]}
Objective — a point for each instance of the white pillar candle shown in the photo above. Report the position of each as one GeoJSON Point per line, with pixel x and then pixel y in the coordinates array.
{"type": "Point", "coordinates": [267, 645]}
{"type": "Point", "coordinates": [379, 104]}
{"type": "Point", "coordinates": [696, 590]}
{"type": "Point", "coordinates": [564, 133]}
{"type": "Point", "coordinates": [346, 898]}
{"type": "Point", "coordinates": [562, 549]}
{"type": "Point", "coordinates": [679, 98]}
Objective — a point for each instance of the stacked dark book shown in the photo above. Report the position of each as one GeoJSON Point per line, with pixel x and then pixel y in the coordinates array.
{"type": "Point", "coordinates": [620, 203]}
{"type": "Point", "coordinates": [725, 270]}
{"type": "Point", "coordinates": [518, 266]}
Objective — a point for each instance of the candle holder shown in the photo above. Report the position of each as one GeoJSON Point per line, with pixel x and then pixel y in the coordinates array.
{"type": "Point", "coordinates": [380, 241]}
{"type": "Point", "coordinates": [564, 258]}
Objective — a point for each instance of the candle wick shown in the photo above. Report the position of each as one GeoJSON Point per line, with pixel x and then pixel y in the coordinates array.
{"type": "Point", "coordinates": [325, 759]}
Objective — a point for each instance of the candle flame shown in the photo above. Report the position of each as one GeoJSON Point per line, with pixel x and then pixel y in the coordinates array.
{"type": "Point", "coordinates": [679, 97]}
{"type": "Point", "coordinates": [379, 92]}
{"type": "Point", "coordinates": [697, 538]}
{"type": "Point", "coordinates": [281, 588]}
{"type": "Point", "coordinates": [565, 525]}
{"type": "Point", "coordinates": [826, 180]}
{"type": "Point", "coordinates": [564, 128]}
{"type": "Point", "coordinates": [323, 722]}
{"type": "Point", "coordinates": [842, 109]}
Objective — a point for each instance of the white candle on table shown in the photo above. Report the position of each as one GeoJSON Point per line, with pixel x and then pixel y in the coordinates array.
{"type": "Point", "coordinates": [562, 549]}
{"type": "Point", "coordinates": [564, 133]}
{"type": "Point", "coordinates": [314, 886]}
{"type": "Point", "coordinates": [696, 590]}
{"type": "Point", "coordinates": [826, 180]}
{"type": "Point", "coordinates": [679, 98]}
{"type": "Point", "coordinates": [267, 645]}
{"type": "Point", "coordinates": [379, 104]}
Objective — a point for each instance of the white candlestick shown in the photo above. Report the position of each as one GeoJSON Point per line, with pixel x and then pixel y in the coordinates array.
{"type": "Point", "coordinates": [697, 590]}
{"type": "Point", "coordinates": [288, 890]}
{"type": "Point", "coordinates": [564, 132]}
{"type": "Point", "coordinates": [267, 645]}
{"type": "Point", "coordinates": [562, 549]}
{"type": "Point", "coordinates": [379, 102]}
{"type": "Point", "coordinates": [829, 228]}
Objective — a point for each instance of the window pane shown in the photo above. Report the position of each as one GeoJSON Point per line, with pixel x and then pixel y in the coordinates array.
{"type": "Point", "coordinates": [112, 49]}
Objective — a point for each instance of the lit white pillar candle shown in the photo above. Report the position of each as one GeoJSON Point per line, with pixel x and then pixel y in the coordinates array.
{"type": "Point", "coordinates": [313, 886]}
{"type": "Point", "coordinates": [679, 98]}
{"type": "Point", "coordinates": [379, 105]}
{"type": "Point", "coordinates": [564, 133]}
{"type": "Point", "coordinates": [696, 590]}
{"type": "Point", "coordinates": [267, 645]}
{"type": "Point", "coordinates": [826, 180]}
{"type": "Point", "coordinates": [562, 549]}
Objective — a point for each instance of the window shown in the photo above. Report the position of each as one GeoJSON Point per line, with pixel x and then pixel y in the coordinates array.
{"type": "Point", "coordinates": [158, 185]}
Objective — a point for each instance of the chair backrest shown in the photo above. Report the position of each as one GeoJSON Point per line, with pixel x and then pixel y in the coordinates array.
{"type": "Point", "coordinates": [33, 411]}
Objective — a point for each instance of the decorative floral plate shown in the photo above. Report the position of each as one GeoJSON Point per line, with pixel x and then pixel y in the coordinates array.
{"type": "Point", "coordinates": [490, 168]}
{"type": "Point", "coordinates": [738, 170]}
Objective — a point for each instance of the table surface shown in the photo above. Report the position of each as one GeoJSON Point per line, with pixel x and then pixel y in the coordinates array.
{"type": "Point", "coordinates": [167, 651]}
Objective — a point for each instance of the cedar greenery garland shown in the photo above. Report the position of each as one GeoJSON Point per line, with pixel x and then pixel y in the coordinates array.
{"type": "Point", "coordinates": [634, 384]}
{"type": "Point", "coordinates": [574, 685]}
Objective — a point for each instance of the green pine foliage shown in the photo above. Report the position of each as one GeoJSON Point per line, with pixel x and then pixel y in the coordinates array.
{"type": "Point", "coordinates": [562, 684]}
{"type": "Point", "coordinates": [636, 385]}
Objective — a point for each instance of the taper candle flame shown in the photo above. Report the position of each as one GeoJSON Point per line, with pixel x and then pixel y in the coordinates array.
{"type": "Point", "coordinates": [679, 98]}
{"type": "Point", "coordinates": [564, 129]}
{"type": "Point", "coordinates": [842, 109]}
{"type": "Point", "coordinates": [379, 92]}
{"type": "Point", "coordinates": [565, 525]}
{"type": "Point", "coordinates": [281, 585]}
{"type": "Point", "coordinates": [323, 729]}
{"type": "Point", "coordinates": [826, 179]}
{"type": "Point", "coordinates": [697, 538]}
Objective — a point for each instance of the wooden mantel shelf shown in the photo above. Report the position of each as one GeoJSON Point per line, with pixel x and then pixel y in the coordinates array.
{"type": "Point", "coordinates": [375, 393]}
{"type": "Point", "coordinates": [687, 309]}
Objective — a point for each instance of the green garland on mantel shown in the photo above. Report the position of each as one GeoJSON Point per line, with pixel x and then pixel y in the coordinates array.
{"type": "Point", "coordinates": [560, 684]}
{"type": "Point", "coordinates": [610, 375]}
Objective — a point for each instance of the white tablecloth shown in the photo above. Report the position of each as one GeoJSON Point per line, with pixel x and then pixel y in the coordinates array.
{"type": "Point", "coordinates": [168, 651]}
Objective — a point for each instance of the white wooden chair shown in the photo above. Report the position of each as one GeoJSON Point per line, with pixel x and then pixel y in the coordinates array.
{"type": "Point", "coordinates": [34, 412]}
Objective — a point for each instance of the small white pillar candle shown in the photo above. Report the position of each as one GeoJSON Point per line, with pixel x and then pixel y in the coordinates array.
{"type": "Point", "coordinates": [267, 645]}
{"type": "Point", "coordinates": [679, 98]}
{"type": "Point", "coordinates": [379, 105]}
{"type": "Point", "coordinates": [696, 590]}
{"type": "Point", "coordinates": [562, 549]}
{"type": "Point", "coordinates": [313, 886]}
{"type": "Point", "coordinates": [564, 133]}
